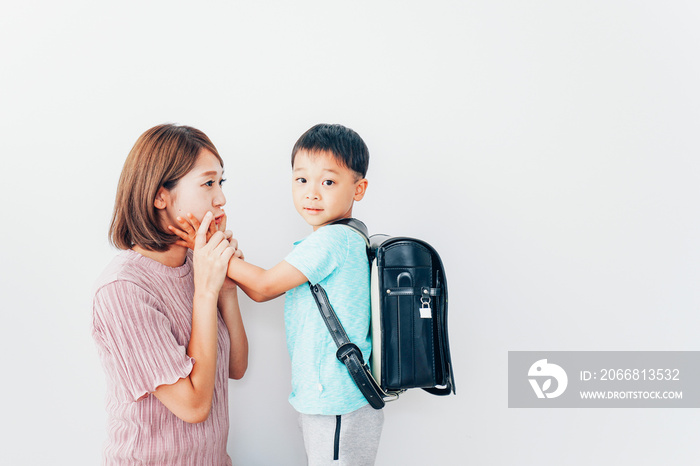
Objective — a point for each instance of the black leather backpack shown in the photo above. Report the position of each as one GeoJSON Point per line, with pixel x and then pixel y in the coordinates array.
{"type": "Point", "coordinates": [410, 345]}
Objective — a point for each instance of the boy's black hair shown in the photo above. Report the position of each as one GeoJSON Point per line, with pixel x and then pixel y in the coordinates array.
{"type": "Point", "coordinates": [345, 144]}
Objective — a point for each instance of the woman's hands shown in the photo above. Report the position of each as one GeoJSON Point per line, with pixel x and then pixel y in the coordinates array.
{"type": "Point", "coordinates": [212, 252]}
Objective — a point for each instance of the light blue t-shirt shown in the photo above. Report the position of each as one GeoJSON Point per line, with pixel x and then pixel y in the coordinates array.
{"type": "Point", "coordinates": [334, 256]}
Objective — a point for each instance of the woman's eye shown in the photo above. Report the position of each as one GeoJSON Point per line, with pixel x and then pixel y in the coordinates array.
{"type": "Point", "coordinates": [328, 183]}
{"type": "Point", "coordinates": [209, 183]}
{"type": "Point", "coordinates": [223, 180]}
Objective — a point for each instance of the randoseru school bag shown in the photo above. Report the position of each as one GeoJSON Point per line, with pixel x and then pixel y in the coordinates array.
{"type": "Point", "coordinates": [410, 346]}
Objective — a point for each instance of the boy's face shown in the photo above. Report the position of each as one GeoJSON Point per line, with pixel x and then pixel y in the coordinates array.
{"type": "Point", "coordinates": [324, 190]}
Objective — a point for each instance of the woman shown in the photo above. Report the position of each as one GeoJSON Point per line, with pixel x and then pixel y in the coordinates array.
{"type": "Point", "coordinates": [166, 321]}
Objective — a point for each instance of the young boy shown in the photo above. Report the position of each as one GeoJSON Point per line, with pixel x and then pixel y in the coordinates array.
{"type": "Point", "coordinates": [329, 164]}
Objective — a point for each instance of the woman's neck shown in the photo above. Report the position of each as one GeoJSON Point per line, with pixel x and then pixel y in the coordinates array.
{"type": "Point", "coordinates": [173, 257]}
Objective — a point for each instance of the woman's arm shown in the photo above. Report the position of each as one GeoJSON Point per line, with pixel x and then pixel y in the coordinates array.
{"type": "Point", "coordinates": [190, 398]}
{"type": "Point", "coordinates": [231, 313]}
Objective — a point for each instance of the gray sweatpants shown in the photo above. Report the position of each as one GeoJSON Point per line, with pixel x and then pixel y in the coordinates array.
{"type": "Point", "coordinates": [351, 439]}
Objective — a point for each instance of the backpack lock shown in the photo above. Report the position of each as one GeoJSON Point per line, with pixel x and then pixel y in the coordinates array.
{"type": "Point", "coordinates": [425, 311]}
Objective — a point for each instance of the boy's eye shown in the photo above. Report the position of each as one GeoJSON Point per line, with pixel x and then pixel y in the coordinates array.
{"type": "Point", "coordinates": [301, 180]}
{"type": "Point", "coordinates": [328, 182]}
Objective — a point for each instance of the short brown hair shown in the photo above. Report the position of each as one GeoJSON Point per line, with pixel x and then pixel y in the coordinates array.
{"type": "Point", "coordinates": [346, 146]}
{"type": "Point", "coordinates": [159, 159]}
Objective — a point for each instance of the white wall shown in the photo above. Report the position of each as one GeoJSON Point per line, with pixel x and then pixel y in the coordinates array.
{"type": "Point", "coordinates": [548, 149]}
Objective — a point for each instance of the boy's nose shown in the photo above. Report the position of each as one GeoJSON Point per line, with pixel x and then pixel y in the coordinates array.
{"type": "Point", "coordinates": [312, 194]}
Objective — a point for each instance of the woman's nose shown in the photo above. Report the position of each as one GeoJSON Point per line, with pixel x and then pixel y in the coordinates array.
{"type": "Point", "coordinates": [219, 199]}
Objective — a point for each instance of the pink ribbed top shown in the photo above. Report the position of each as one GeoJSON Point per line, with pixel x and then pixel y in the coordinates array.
{"type": "Point", "coordinates": [142, 321]}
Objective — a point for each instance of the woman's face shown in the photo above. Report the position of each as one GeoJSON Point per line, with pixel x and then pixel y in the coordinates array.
{"type": "Point", "coordinates": [197, 193]}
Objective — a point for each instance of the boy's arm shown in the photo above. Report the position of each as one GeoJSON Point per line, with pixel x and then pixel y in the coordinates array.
{"type": "Point", "coordinates": [259, 284]}
{"type": "Point", "coordinates": [263, 285]}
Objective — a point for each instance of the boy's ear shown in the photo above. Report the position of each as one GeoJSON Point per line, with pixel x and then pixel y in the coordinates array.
{"type": "Point", "coordinates": [162, 198]}
{"type": "Point", "coordinates": [360, 189]}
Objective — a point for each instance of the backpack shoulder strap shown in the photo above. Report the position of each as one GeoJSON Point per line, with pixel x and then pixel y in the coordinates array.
{"type": "Point", "coordinates": [348, 353]}
{"type": "Point", "coordinates": [356, 225]}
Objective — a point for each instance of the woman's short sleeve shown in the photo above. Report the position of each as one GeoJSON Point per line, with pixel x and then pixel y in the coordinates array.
{"type": "Point", "coordinates": [135, 340]}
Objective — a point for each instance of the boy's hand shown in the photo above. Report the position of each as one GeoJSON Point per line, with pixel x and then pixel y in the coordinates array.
{"type": "Point", "coordinates": [233, 243]}
{"type": "Point", "coordinates": [188, 230]}
{"type": "Point", "coordinates": [188, 233]}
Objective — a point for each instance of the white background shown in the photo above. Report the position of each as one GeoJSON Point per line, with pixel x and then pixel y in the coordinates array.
{"type": "Point", "coordinates": [548, 149]}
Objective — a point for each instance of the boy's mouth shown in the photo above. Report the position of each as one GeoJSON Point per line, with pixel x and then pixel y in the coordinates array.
{"type": "Point", "coordinates": [312, 210]}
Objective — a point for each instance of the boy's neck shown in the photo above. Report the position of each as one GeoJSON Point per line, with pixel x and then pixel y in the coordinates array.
{"type": "Point", "coordinates": [349, 215]}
